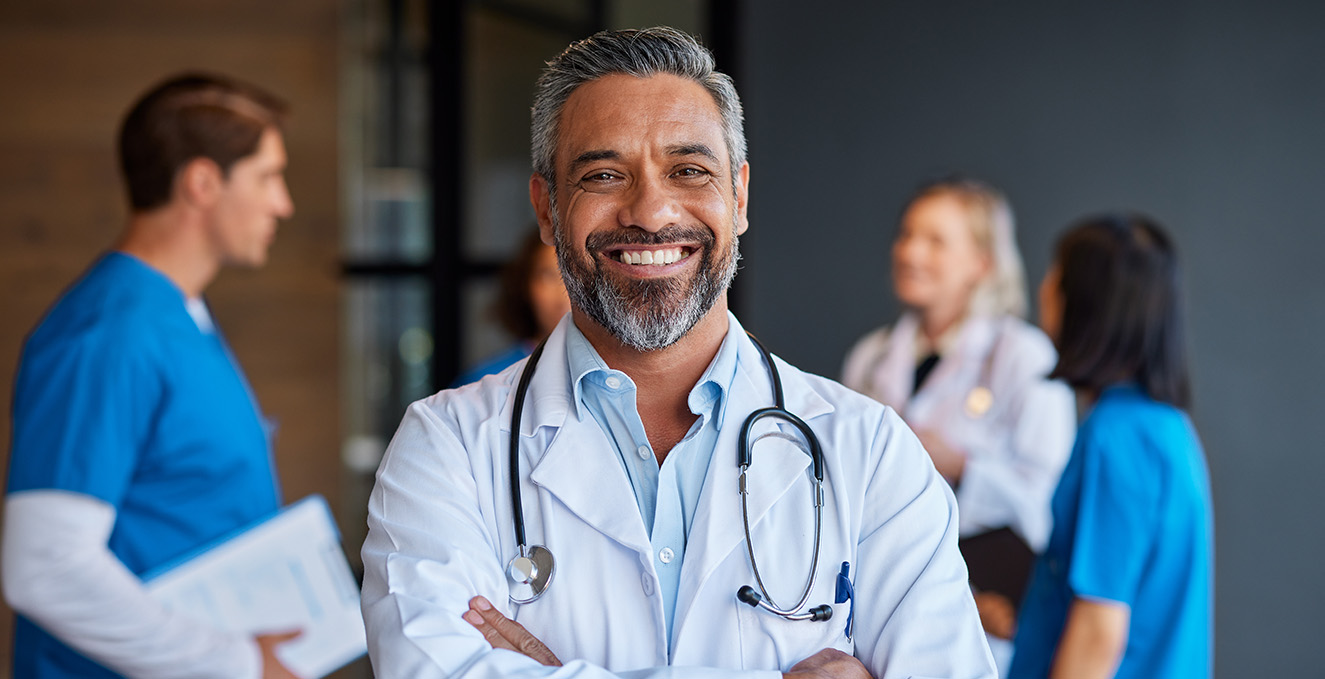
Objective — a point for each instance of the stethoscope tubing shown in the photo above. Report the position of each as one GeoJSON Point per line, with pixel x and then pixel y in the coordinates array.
{"type": "Point", "coordinates": [744, 455]}
{"type": "Point", "coordinates": [766, 602]}
{"type": "Point", "coordinates": [521, 390]}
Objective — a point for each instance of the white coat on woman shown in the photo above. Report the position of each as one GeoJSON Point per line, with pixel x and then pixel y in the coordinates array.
{"type": "Point", "coordinates": [1016, 448]}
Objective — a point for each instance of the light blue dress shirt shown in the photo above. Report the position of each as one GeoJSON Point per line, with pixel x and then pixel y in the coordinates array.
{"type": "Point", "coordinates": [668, 494]}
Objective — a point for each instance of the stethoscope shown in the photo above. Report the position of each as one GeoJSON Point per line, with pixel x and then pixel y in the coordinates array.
{"type": "Point", "coordinates": [980, 399]}
{"type": "Point", "coordinates": [530, 571]}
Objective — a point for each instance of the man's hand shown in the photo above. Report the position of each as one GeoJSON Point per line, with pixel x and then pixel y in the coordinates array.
{"type": "Point", "coordinates": [502, 632]}
{"type": "Point", "coordinates": [829, 663]}
{"type": "Point", "coordinates": [271, 665]}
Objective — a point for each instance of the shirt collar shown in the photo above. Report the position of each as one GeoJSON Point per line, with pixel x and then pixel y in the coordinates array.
{"type": "Point", "coordinates": [583, 361]}
{"type": "Point", "coordinates": [716, 382]}
{"type": "Point", "coordinates": [709, 392]}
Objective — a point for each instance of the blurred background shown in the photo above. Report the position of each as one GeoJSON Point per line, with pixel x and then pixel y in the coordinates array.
{"type": "Point", "coordinates": [409, 165]}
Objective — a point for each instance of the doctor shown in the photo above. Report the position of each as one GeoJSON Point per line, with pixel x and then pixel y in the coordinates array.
{"type": "Point", "coordinates": [969, 375]}
{"type": "Point", "coordinates": [627, 438]}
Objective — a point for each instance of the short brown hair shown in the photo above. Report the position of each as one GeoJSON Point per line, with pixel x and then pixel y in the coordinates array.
{"type": "Point", "coordinates": [186, 117]}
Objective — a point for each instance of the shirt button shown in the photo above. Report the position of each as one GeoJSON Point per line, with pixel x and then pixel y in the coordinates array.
{"type": "Point", "coordinates": [648, 584]}
{"type": "Point", "coordinates": [666, 555]}
{"type": "Point", "coordinates": [643, 452]}
{"type": "Point", "coordinates": [613, 382]}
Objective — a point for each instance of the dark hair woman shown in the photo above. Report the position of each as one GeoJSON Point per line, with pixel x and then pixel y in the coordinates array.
{"type": "Point", "coordinates": [1124, 588]}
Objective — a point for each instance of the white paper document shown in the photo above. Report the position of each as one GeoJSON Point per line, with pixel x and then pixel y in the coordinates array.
{"type": "Point", "coordinates": [285, 573]}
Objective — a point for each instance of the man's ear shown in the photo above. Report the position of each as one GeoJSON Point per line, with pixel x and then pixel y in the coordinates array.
{"type": "Point", "coordinates": [199, 182]}
{"type": "Point", "coordinates": [541, 199]}
{"type": "Point", "coordinates": [742, 189]}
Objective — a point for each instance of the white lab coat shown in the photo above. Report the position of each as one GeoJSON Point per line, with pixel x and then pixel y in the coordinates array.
{"type": "Point", "coordinates": [1015, 451]}
{"type": "Point", "coordinates": [440, 532]}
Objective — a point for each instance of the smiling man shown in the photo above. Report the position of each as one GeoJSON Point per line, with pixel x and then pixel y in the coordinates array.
{"type": "Point", "coordinates": [631, 542]}
{"type": "Point", "coordinates": [136, 437]}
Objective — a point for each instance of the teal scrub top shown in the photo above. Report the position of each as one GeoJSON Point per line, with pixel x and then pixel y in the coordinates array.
{"type": "Point", "coordinates": [1132, 526]}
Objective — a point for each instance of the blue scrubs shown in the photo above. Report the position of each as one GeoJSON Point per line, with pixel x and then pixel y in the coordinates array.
{"type": "Point", "coordinates": [1132, 526]}
{"type": "Point", "coordinates": [122, 397]}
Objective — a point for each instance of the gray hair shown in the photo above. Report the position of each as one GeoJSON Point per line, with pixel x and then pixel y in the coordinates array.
{"type": "Point", "coordinates": [1003, 291]}
{"type": "Point", "coordinates": [639, 52]}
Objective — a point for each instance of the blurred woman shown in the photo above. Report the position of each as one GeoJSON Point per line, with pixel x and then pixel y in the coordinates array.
{"type": "Point", "coordinates": [969, 377]}
{"type": "Point", "coordinates": [1124, 588]}
{"type": "Point", "coordinates": [530, 302]}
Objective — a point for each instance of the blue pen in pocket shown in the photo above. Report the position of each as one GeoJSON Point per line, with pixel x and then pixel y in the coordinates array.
{"type": "Point", "coordinates": [845, 593]}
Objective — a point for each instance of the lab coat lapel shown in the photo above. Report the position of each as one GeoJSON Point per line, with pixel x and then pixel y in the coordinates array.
{"type": "Point", "coordinates": [583, 471]}
{"type": "Point", "coordinates": [580, 466]}
{"type": "Point", "coordinates": [969, 350]}
{"type": "Point", "coordinates": [893, 375]}
{"type": "Point", "coordinates": [776, 466]}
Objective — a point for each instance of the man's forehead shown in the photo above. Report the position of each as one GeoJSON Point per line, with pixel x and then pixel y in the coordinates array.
{"type": "Point", "coordinates": [616, 109]}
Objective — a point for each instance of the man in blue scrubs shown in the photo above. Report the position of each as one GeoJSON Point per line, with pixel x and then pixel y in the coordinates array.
{"type": "Point", "coordinates": [137, 438]}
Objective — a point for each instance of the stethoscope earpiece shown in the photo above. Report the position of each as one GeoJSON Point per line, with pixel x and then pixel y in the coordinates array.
{"type": "Point", "coordinates": [747, 595]}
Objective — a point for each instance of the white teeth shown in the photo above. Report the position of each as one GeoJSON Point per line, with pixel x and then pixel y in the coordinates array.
{"type": "Point", "coordinates": [652, 257]}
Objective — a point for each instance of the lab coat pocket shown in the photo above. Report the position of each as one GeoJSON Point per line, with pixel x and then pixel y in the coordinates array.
{"type": "Point", "coordinates": [770, 641]}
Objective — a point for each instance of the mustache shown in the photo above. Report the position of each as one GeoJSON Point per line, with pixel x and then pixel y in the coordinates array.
{"type": "Point", "coordinates": [665, 236]}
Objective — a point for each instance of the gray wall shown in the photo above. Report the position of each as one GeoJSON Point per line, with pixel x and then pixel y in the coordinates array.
{"type": "Point", "coordinates": [1208, 115]}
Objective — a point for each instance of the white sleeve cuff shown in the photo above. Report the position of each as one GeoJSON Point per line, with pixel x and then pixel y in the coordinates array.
{"type": "Point", "coordinates": [58, 571]}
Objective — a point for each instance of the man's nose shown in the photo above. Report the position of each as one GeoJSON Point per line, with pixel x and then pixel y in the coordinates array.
{"type": "Point", "coordinates": [284, 205]}
{"type": "Point", "coordinates": [650, 205]}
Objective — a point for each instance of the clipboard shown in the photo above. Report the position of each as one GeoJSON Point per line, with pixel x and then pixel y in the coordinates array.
{"type": "Point", "coordinates": [283, 573]}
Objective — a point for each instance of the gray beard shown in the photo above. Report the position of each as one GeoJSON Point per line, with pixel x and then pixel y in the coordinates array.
{"type": "Point", "coordinates": [646, 315]}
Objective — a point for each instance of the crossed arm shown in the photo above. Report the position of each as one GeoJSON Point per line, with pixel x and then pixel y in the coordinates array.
{"type": "Point", "coordinates": [502, 632]}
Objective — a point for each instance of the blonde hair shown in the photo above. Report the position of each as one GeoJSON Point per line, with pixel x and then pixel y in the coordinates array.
{"type": "Point", "coordinates": [1003, 291]}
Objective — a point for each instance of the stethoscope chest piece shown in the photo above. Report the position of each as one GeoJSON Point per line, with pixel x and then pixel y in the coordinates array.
{"type": "Point", "coordinates": [530, 573]}
{"type": "Point", "coordinates": [979, 401]}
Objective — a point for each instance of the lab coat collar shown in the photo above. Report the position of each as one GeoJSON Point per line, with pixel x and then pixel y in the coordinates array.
{"type": "Point", "coordinates": [547, 402]}
{"type": "Point", "coordinates": [579, 466]}
{"type": "Point", "coordinates": [972, 346]}
{"type": "Point", "coordinates": [894, 374]}
{"type": "Point", "coordinates": [972, 343]}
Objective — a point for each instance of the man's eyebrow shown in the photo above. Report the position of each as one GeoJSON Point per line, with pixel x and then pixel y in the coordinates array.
{"type": "Point", "coordinates": [693, 149]}
{"type": "Point", "coordinates": [592, 157]}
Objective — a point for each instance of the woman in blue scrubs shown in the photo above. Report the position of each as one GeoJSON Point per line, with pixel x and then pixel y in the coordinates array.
{"type": "Point", "coordinates": [1124, 588]}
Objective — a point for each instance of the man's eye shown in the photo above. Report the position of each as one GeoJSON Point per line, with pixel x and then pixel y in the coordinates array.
{"type": "Point", "coordinates": [600, 177]}
{"type": "Point", "coordinates": [691, 172]}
